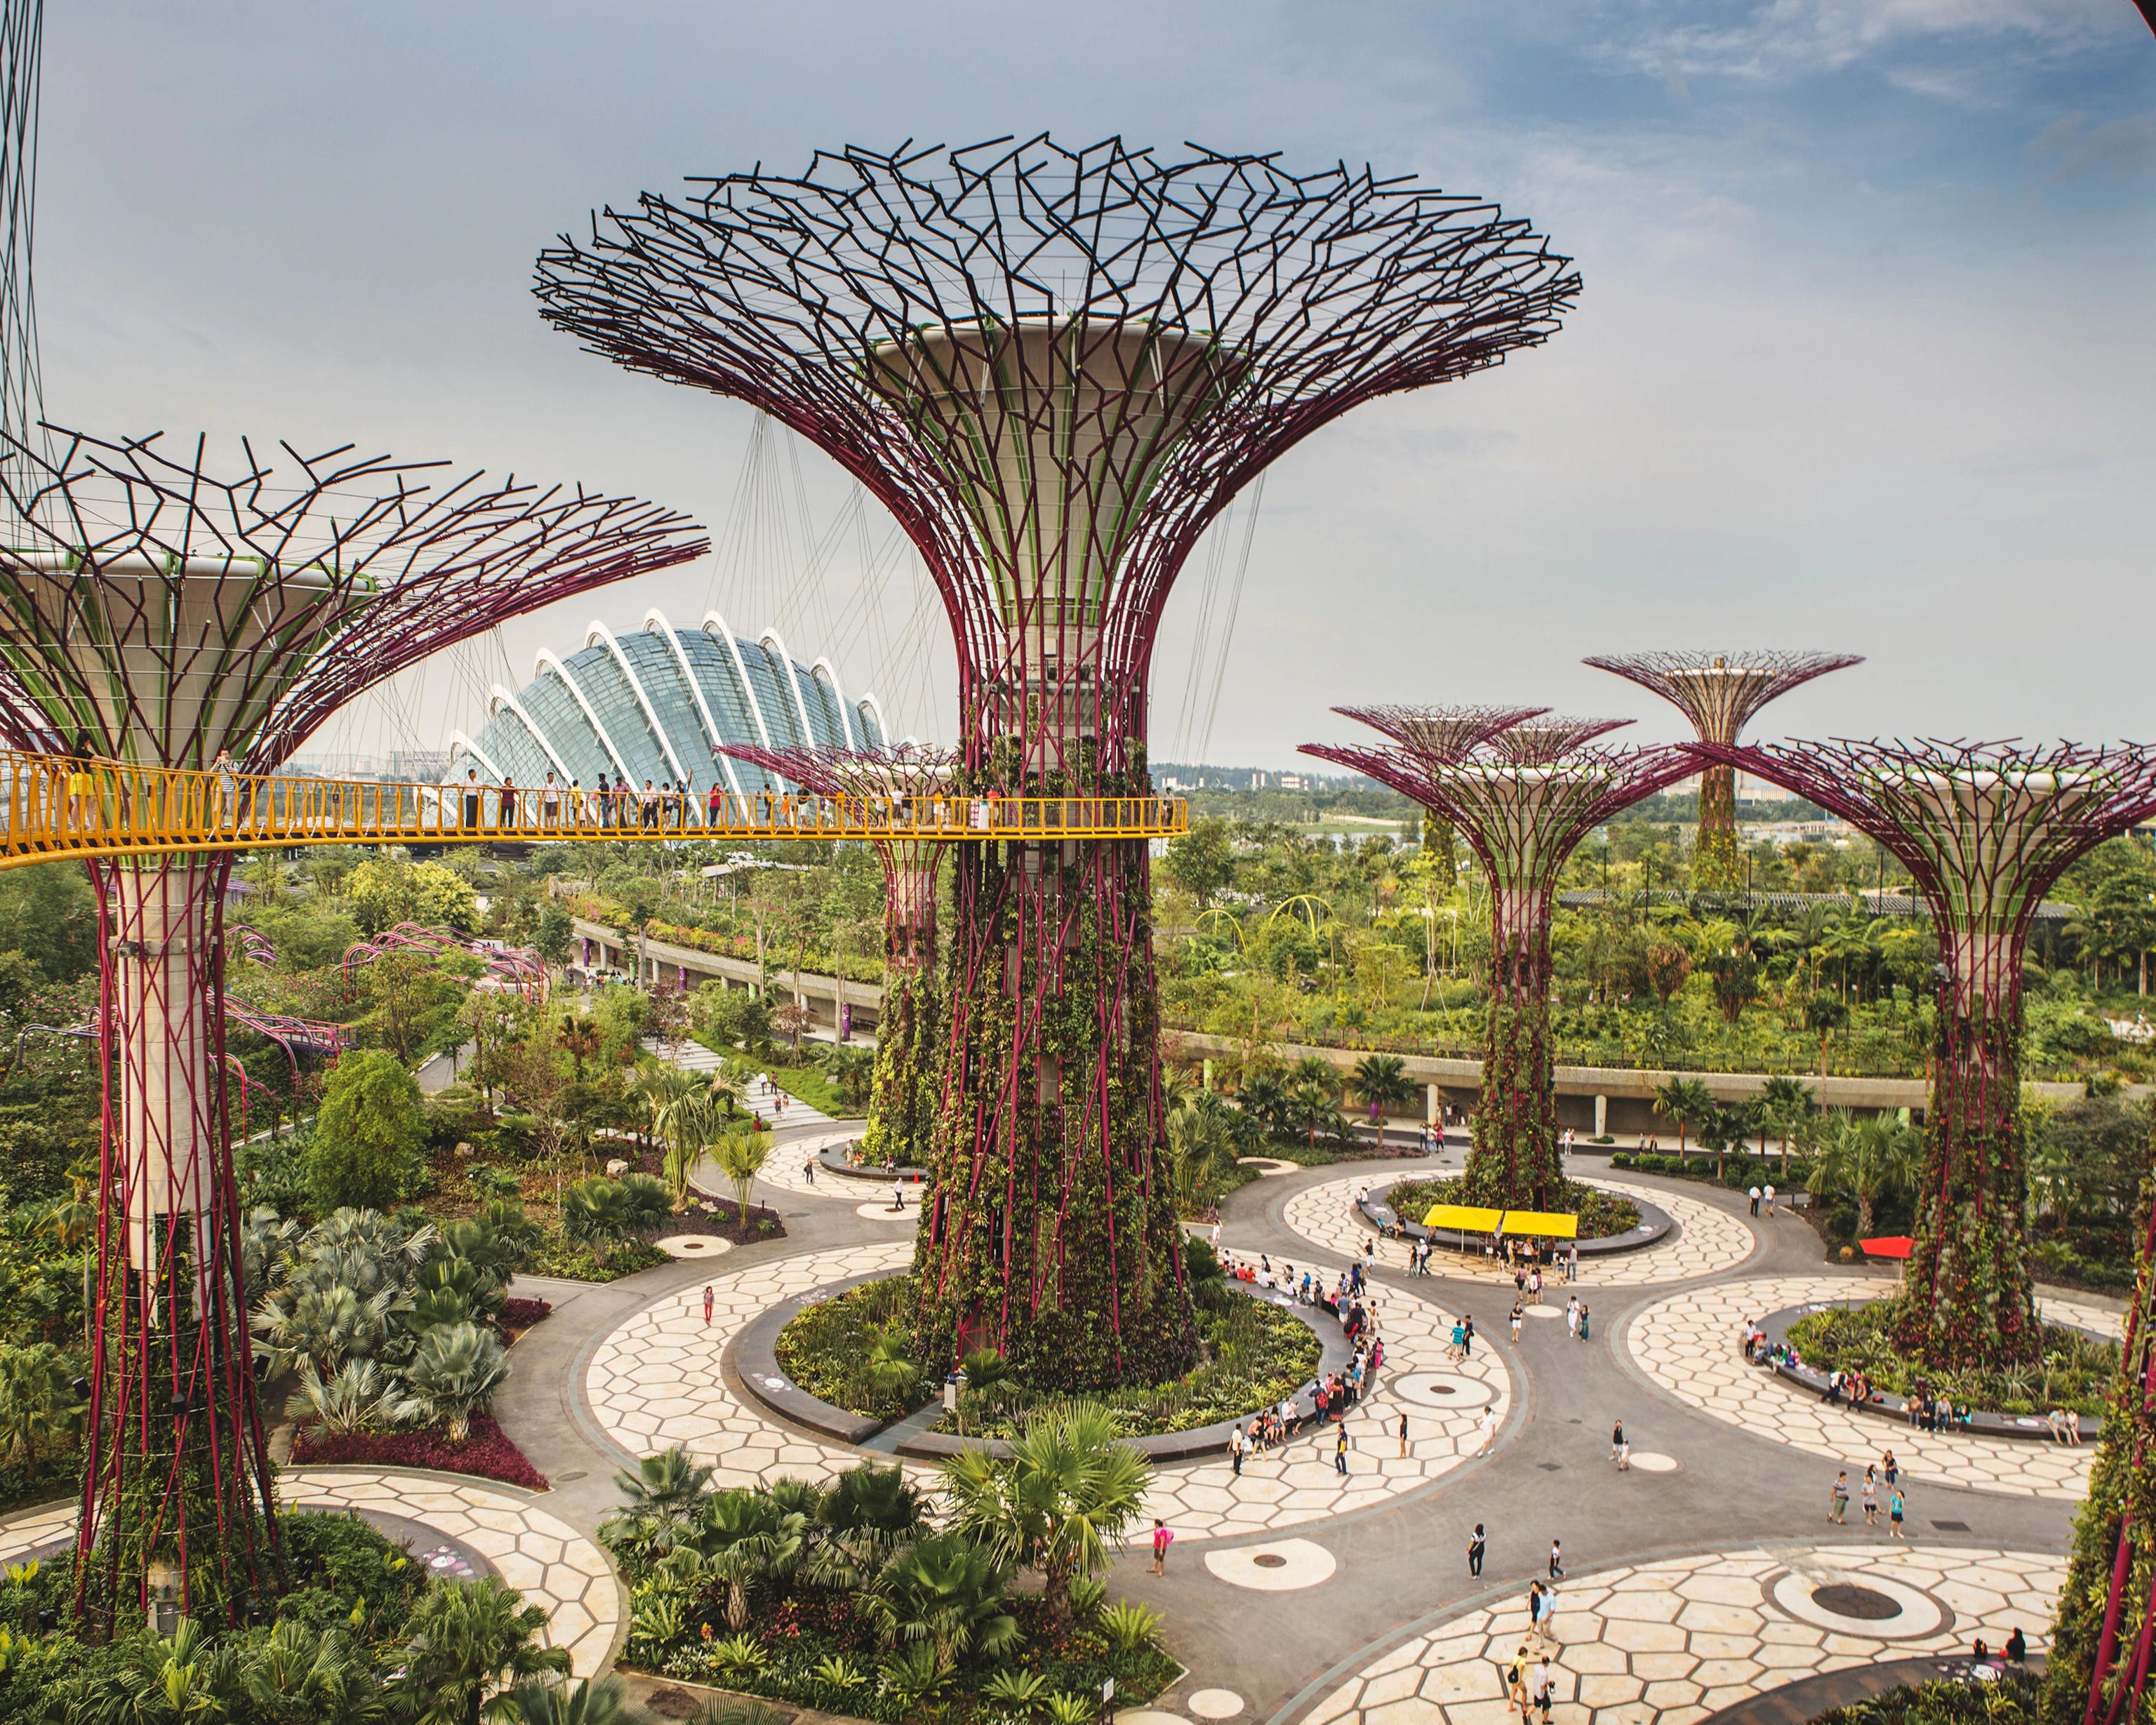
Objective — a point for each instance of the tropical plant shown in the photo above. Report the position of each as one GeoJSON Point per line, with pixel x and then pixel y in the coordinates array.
{"type": "Point", "coordinates": [738, 1656]}
{"type": "Point", "coordinates": [863, 1516]}
{"type": "Point", "coordinates": [325, 1326]}
{"type": "Point", "coordinates": [300, 1675]}
{"type": "Point", "coordinates": [1068, 1489]}
{"type": "Point", "coordinates": [453, 1374]}
{"type": "Point", "coordinates": [984, 1373]}
{"type": "Point", "coordinates": [369, 1131]}
{"type": "Point", "coordinates": [743, 1537]}
{"type": "Point", "coordinates": [890, 1367]}
{"type": "Point", "coordinates": [39, 1404]}
{"type": "Point", "coordinates": [469, 1641]}
{"type": "Point", "coordinates": [538, 1700]}
{"type": "Point", "coordinates": [1784, 1102]}
{"type": "Point", "coordinates": [1687, 1102]}
{"type": "Point", "coordinates": [913, 1680]}
{"type": "Point", "coordinates": [1380, 1082]}
{"type": "Point", "coordinates": [741, 1157]}
{"type": "Point", "coordinates": [359, 1396]}
{"type": "Point", "coordinates": [1867, 1160]}
{"type": "Point", "coordinates": [666, 1486]}
{"type": "Point", "coordinates": [1064, 1708]}
{"type": "Point", "coordinates": [1017, 1692]}
{"type": "Point", "coordinates": [1130, 1627]}
{"type": "Point", "coordinates": [596, 1213]}
{"type": "Point", "coordinates": [947, 1592]}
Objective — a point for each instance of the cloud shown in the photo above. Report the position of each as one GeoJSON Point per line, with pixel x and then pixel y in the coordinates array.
{"type": "Point", "coordinates": [2075, 149]}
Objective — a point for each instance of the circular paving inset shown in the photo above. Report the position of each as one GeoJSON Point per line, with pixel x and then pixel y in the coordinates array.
{"type": "Point", "coordinates": [691, 1245]}
{"type": "Point", "coordinates": [1283, 1566]}
{"type": "Point", "coordinates": [1869, 1604]}
{"type": "Point", "coordinates": [1544, 1312]}
{"type": "Point", "coordinates": [1438, 1389]}
{"type": "Point", "coordinates": [1654, 1462]}
{"type": "Point", "coordinates": [1216, 1703]}
{"type": "Point", "coordinates": [884, 1213]}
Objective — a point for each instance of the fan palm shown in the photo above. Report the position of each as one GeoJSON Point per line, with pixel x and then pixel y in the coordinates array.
{"type": "Point", "coordinates": [453, 1375]}
{"type": "Point", "coordinates": [326, 1326]}
{"type": "Point", "coordinates": [298, 1676]}
{"type": "Point", "coordinates": [1381, 1085]}
{"type": "Point", "coordinates": [538, 1702]}
{"type": "Point", "coordinates": [947, 1593]}
{"type": "Point", "coordinates": [469, 1641]}
{"type": "Point", "coordinates": [862, 1517]}
{"type": "Point", "coordinates": [360, 1396]}
{"type": "Point", "coordinates": [743, 1537]}
{"type": "Point", "coordinates": [1066, 1491]}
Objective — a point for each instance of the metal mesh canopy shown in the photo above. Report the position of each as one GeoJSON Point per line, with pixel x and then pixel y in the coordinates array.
{"type": "Point", "coordinates": [1056, 366]}
{"type": "Point", "coordinates": [166, 610]}
{"type": "Point", "coordinates": [1983, 828]}
{"type": "Point", "coordinates": [1721, 692]}
{"type": "Point", "coordinates": [1440, 733]}
{"type": "Point", "coordinates": [1539, 741]}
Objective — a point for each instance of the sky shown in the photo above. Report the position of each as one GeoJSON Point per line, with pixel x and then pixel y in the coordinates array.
{"type": "Point", "coordinates": [1864, 359]}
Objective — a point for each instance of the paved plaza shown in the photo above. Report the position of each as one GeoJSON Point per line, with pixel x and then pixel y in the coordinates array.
{"type": "Point", "coordinates": [1704, 1576]}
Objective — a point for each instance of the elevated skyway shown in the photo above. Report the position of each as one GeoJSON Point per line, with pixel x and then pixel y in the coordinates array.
{"type": "Point", "coordinates": [55, 807]}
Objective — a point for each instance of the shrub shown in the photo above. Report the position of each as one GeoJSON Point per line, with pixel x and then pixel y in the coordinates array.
{"type": "Point", "coordinates": [368, 1136]}
{"type": "Point", "coordinates": [486, 1454]}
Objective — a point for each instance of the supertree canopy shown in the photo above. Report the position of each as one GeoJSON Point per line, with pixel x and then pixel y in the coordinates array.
{"type": "Point", "coordinates": [1523, 798]}
{"type": "Point", "coordinates": [1984, 829]}
{"type": "Point", "coordinates": [906, 779]}
{"type": "Point", "coordinates": [1721, 693]}
{"type": "Point", "coordinates": [155, 612]}
{"type": "Point", "coordinates": [1055, 367]}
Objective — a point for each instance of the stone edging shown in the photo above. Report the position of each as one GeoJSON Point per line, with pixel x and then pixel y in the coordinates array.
{"type": "Point", "coordinates": [1889, 1406]}
{"type": "Point", "coordinates": [1655, 1226]}
{"type": "Point", "coordinates": [754, 1357]}
{"type": "Point", "coordinates": [832, 1159]}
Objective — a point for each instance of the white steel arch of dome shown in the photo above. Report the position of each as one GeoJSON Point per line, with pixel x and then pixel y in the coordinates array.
{"type": "Point", "coordinates": [774, 647]}
{"type": "Point", "coordinates": [826, 674]}
{"type": "Point", "coordinates": [501, 699]}
{"type": "Point", "coordinates": [600, 632]}
{"type": "Point", "coordinates": [547, 661]}
{"type": "Point", "coordinates": [715, 625]}
{"type": "Point", "coordinates": [714, 737]}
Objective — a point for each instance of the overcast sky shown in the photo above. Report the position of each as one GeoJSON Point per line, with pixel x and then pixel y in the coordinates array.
{"type": "Point", "coordinates": [1865, 358]}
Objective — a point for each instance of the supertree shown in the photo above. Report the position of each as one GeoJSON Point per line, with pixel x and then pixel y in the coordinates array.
{"type": "Point", "coordinates": [2103, 1646]}
{"type": "Point", "coordinates": [908, 780]}
{"type": "Point", "coordinates": [1055, 368]}
{"type": "Point", "coordinates": [154, 611]}
{"type": "Point", "coordinates": [1721, 693]}
{"type": "Point", "coordinates": [1524, 798]}
{"type": "Point", "coordinates": [1984, 829]}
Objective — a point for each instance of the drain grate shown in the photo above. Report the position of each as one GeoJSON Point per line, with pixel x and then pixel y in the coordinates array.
{"type": "Point", "coordinates": [1951, 1527]}
{"type": "Point", "coordinates": [1270, 1560]}
{"type": "Point", "coordinates": [1552, 1467]}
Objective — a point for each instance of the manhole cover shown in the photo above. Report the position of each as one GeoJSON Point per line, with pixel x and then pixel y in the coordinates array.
{"type": "Point", "coordinates": [1951, 1527]}
{"type": "Point", "coordinates": [1846, 1599]}
{"type": "Point", "coordinates": [1441, 1390]}
{"type": "Point", "coordinates": [1270, 1560]}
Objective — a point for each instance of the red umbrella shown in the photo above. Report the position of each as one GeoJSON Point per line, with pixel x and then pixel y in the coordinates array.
{"type": "Point", "coordinates": [1892, 1245]}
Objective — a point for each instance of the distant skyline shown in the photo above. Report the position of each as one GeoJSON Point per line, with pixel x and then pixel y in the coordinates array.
{"type": "Point", "coordinates": [1864, 358]}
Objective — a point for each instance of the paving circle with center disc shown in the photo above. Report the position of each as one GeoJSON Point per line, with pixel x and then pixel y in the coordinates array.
{"type": "Point", "coordinates": [1846, 1599]}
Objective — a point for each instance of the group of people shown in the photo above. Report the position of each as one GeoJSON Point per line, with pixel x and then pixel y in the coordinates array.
{"type": "Point", "coordinates": [1837, 1498]}
{"type": "Point", "coordinates": [615, 805]}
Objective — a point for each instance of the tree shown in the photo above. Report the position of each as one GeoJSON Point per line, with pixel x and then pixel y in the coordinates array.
{"type": "Point", "coordinates": [864, 1516]}
{"type": "Point", "coordinates": [1687, 1102]}
{"type": "Point", "coordinates": [1824, 1015]}
{"type": "Point", "coordinates": [556, 929]}
{"type": "Point", "coordinates": [1057, 1504]}
{"type": "Point", "coordinates": [1381, 1083]}
{"type": "Point", "coordinates": [369, 1132]}
{"type": "Point", "coordinates": [1783, 1102]}
{"type": "Point", "coordinates": [1867, 1160]}
{"type": "Point", "coordinates": [357, 1397]}
{"type": "Point", "coordinates": [539, 1701]}
{"type": "Point", "coordinates": [384, 892]}
{"type": "Point", "coordinates": [1669, 964]}
{"type": "Point", "coordinates": [947, 1593]}
{"type": "Point", "coordinates": [793, 1021]}
{"type": "Point", "coordinates": [1202, 862]}
{"type": "Point", "coordinates": [453, 1375]}
{"type": "Point", "coordinates": [469, 1641]}
{"type": "Point", "coordinates": [741, 1157]}
{"type": "Point", "coordinates": [37, 1401]}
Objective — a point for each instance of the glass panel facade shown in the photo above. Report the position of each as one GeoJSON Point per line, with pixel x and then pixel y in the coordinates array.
{"type": "Point", "coordinates": [600, 677]}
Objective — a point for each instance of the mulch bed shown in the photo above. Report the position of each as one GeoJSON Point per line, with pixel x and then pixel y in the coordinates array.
{"type": "Point", "coordinates": [488, 1455]}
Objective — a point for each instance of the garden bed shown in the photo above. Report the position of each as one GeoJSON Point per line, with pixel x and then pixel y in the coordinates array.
{"type": "Point", "coordinates": [2077, 1373]}
{"type": "Point", "coordinates": [488, 1454]}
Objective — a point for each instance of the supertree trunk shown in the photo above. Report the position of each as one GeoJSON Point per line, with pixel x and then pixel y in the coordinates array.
{"type": "Point", "coordinates": [1050, 1234]}
{"type": "Point", "coordinates": [177, 1502]}
{"type": "Point", "coordinates": [2103, 1646]}
{"type": "Point", "coordinates": [1967, 1299]}
{"type": "Point", "coordinates": [1512, 1160]}
{"type": "Point", "coordinates": [902, 1094]}
{"type": "Point", "coordinates": [1714, 847]}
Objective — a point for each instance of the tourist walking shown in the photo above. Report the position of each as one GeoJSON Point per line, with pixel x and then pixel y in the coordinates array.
{"type": "Point", "coordinates": [1340, 1448]}
{"type": "Point", "coordinates": [809, 1168]}
{"type": "Point", "coordinates": [1404, 1436]}
{"type": "Point", "coordinates": [1890, 1469]}
{"type": "Point", "coordinates": [1488, 1426]}
{"type": "Point", "coordinates": [1478, 1543]}
{"type": "Point", "coordinates": [1515, 1682]}
{"type": "Point", "coordinates": [1556, 1560]}
{"type": "Point", "coordinates": [898, 1194]}
{"type": "Point", "coordinates": [1571, 1263]}
{"type": "Point", "coordinates": [1894, 1513]}
{"type": "Point", "coordinates": [1458, 1350]}
{"type": "Point", "coordinates": [1519, 1312]}
{"type": "Point", "coordinates": [1752, 1193]}
{"type": "Point", "coordinates": [1467, 1337]}
{"type": "Point", "coordinates": [1871, 1497]}
{"type": "Point", "coordinates": [1584, 1331]}
{"type": "Point", "coordinates": [1837, 1500]}
{"type": "Point", "coordinates": [707, 1304]}
{"type": "Point", "coordinates": [1543, 1687]}
{"type": "Point", "coordinates": [1572, 1317]}
{"type": "Point", "coordinates": [1616, 1440]}
{"type": "Point", "coordinates": [1163, 1537]}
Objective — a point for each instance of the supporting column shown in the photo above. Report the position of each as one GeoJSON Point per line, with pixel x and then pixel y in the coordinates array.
{"type": "Point", "coordinates": [1602, 1116]}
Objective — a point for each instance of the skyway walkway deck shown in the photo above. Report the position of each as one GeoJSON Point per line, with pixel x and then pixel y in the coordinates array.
{"type": "Point", "coordinates": [55, 807]}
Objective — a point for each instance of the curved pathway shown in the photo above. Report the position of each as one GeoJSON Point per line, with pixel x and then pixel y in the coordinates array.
{"type": "Point", "coordinates": [1689, 1344]}
{"type": "Point", "coordinates": [660, 1379]}
{"type": "Point", "coordinates": [1668, 1642]}
{"type": "Point", "coordinates": [1708, 1241]}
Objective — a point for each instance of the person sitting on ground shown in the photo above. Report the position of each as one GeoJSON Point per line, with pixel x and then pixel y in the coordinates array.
{"type": "Point", "coordinates": [2017, 1647]}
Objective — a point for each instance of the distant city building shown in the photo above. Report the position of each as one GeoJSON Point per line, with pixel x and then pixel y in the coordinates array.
{"type": "Point", "coordinates": [655, 704]}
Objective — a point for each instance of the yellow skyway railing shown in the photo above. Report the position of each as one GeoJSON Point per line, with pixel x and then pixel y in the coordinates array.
{"type": "Point", "coordinates": [55, 807]}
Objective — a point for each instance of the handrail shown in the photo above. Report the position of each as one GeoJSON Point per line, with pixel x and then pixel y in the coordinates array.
{"type": "Point", "coordinates": [55, 806]}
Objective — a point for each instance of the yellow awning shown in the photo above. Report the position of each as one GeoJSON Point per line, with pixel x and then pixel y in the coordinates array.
{"type": "Point", "coordinates": [1545, 1223]}
{"type": "Point", "coordinates": [1471, 1218]}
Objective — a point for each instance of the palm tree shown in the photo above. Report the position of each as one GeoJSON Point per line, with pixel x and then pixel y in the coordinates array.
{"type": "Point", "coordinates": [947, 1593]}
{"type": "Point", "coordinates": [1686, 1101]}
{"type": "Point", "coordinates": [453, 1375]}
{"type": "Point", "coordinates": [889, 1367]}
{"type": "Point", "coordinates": [1381, 1083]}
{"type": "Point", "coordinates": [1316, 1069]}
{"type": "Point", "coordinates": [538, 1702]}
{"type": "Point", "coordinates": [1783, 1102]}
{"type": "Point", "coordinates": [861, 1518]}
{"type": "Point", "coordinates": [744, 1537]}
{"type": "Point", "coordinates": [595, 1211]}
{"type": "Point", "coordinates": [1266, 1099]}
{"type": "Point", "coordinates": [37, 1401]}
{"type": "Point", "coordinates": [1067, 1490]}
{"type": "Point", "coordinates": [298, 1676]}
{"type": "Point", "coordinates": [1315, 1111]}
{"type": "Point", "coordinates": [741, 1157]}
{"type": "Point", "coordinates": [1868, 1159]}
{"type": "Point", "coordinates": [666, 1486]}
{"type": "Point", "coordinates": [360, 1397]}
{"type": "Point", "coordinates": [469, 1641]}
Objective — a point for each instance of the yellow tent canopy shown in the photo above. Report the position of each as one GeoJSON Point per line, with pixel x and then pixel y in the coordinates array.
{"type": "Point", "coordinates": [1545, 1223]}
{"type": "Point", "coordinates": [1469, 1218]}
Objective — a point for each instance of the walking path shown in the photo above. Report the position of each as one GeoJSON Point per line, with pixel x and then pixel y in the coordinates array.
{"type": "Point", "coordinates": [1689, 1344]}
{"type": "Point", "coordinates": [759, 1100]}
